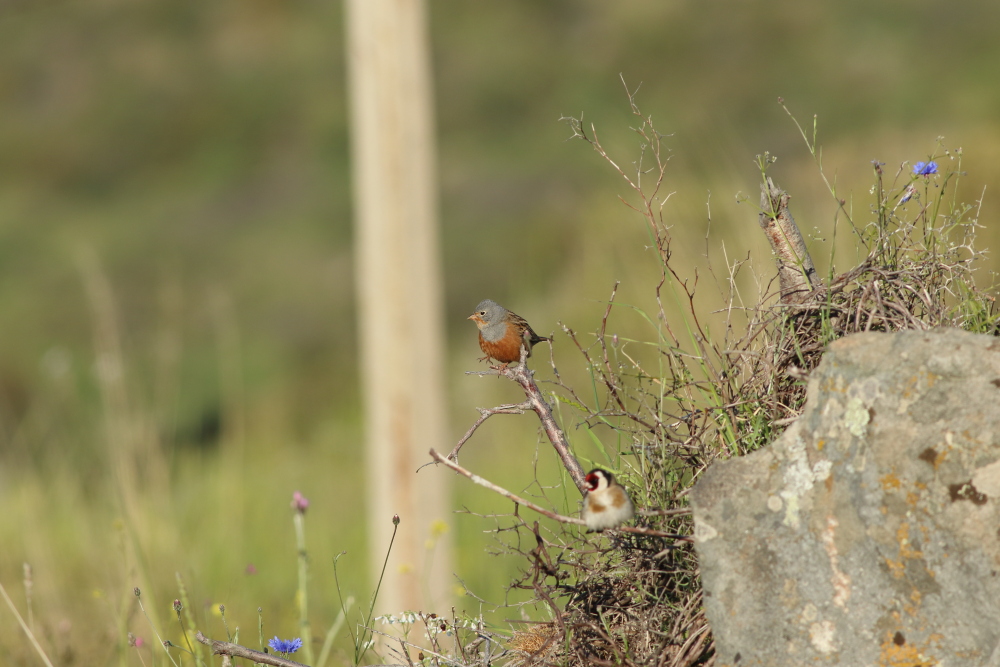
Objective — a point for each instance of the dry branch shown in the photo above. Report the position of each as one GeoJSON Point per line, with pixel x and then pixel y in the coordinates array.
{"type": "Point", "coordinates": [484, 414]}
{"type": "Point", "coordinates": [237, 651]}
{"type": "Point", "coordinates": [502, 491]}
{"type": "Point", "coordinates": [523, 376]}
{"type": "Point", "coordinates": [541, 510]}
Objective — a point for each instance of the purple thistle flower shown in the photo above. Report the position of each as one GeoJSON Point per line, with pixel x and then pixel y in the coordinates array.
{"type": "Point", "coordinates": [299, 502]}
{"type": "Point", "coordinates": [925, 168]}
{"type": "Point", "coordinates": [285, 646]}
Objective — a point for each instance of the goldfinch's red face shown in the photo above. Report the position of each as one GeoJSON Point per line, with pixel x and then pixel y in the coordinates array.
{"type": "Point", "coordinates": [597, 480]}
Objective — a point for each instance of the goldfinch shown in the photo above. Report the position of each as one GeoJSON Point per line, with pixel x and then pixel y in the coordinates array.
{"type": "Point", "coordinates": [606, 504]}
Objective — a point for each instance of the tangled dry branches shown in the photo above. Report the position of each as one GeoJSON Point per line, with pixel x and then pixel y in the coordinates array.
{"type": "Point", "coordinates": [635, 599]}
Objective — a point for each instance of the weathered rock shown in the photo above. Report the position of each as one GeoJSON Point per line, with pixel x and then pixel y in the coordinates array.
{"type": "Point", "coordinates": [867, 534]}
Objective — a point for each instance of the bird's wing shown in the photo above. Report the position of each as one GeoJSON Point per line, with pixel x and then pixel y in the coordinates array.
{"type": "Point", "coordinates": [527, 333]}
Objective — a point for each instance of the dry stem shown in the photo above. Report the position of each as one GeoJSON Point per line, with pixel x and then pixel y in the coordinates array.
{"type": "Point", "coordinates": [523, 376]}
{"type": "Point", "coordinates": [541, 510]}
{"type": "Point", "coordinates": [237, 651]}
{"type": "Point", "coordinates": [486, 413]}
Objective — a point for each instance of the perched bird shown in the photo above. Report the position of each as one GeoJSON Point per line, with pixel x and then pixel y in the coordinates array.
{"type": "Point", "coordinates": [502, 333]}
{"type": "Point", "coordinates": [606, 504]}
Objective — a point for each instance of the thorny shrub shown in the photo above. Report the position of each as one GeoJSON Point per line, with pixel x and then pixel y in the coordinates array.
{"type": "Point", "coordinates": [636, 600]}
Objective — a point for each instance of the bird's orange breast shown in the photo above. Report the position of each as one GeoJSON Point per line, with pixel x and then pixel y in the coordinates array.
{"type": "Point", "coordinates": [506, 350]}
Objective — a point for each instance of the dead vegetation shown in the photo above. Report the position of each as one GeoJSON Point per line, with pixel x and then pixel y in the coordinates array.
{"type": "Point", "coordinates": [629, 599]}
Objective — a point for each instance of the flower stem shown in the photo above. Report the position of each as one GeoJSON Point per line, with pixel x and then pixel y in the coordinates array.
{"type": "Point", "coordinates": [303, 595]}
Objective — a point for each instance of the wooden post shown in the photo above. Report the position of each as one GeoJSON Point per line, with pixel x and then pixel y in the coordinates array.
{"type": "Point", "coordinates": [399, 293]}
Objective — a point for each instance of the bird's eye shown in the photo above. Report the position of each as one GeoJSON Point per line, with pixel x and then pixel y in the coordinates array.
{"type": "Point", "coordinates": [482, 312]}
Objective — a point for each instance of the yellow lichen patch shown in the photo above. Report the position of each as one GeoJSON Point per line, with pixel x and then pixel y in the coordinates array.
{"type": "Point", "coordinates": [831, 385]}
{"type": "Point", "coordinates": [914, 386]}
{"type": "Point", "coordinates": [938, 459]}
{"type": "Point", "coordinates": [897, 652]}
{"type": "Point", "coordinates": [890, 482]}
{"type": "Point", "coordinates": [820, 444]}
{"type": "Point", "coordinates": [974, 438]}
{"type": "Point", "coordinates": [914, 608]}
{"type": "Point", "coordinates": [906, 550]}
{"type": "Point", "coordinates": [896, 568]}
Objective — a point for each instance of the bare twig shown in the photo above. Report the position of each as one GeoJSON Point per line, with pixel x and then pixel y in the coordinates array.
{"type": "Point", "coordinates": [543, 568]}
{"type": "Point", "coordinates": [443, 658]}
{"type": "Point", "coordinates": [486, 413]}
{"type": "Point", "coordinates": [638, 530]}
{"type": "Point", "coordinates": [679, 511]}
{"type": "Point", "coordinates": [237, 651]}
{"type": "Point", "coordinates": [523, 376]}
{"type": "Point", "coordinates": [406, 654]}
{"type": "Point", "coordinates": [502, 491]}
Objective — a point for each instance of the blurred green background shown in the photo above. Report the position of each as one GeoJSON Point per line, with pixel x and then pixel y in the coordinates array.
{"type": "Point", "coordinates": [175, 251]}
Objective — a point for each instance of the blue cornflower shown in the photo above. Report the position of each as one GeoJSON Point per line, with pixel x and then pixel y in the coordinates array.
{"type": "Point", "coordinates": [925, 168]}
{"type": "Point", "coordinates": [285, 646]}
